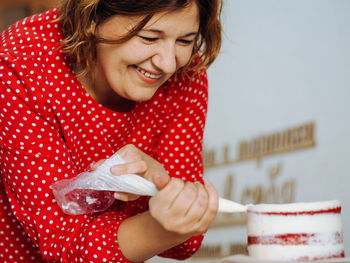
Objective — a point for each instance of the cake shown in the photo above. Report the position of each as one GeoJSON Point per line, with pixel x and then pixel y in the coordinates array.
{"type": "Point", "coordinates": [296, 231]}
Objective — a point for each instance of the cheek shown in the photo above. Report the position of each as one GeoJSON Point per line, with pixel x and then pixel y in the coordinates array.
{"type": "Point", "coordinates": [105, 58]}
{"type": "Point", "coordinates": [184, 57]}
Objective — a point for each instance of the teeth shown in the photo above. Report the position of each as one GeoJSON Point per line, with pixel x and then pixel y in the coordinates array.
{"type": "Point", "coordinates": [147, 74]}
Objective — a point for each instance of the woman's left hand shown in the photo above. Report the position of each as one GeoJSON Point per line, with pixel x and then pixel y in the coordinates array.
{"type": "Point", "coordinates": [137, 162]}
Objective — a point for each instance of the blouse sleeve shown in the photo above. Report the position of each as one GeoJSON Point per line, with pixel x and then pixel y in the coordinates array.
{"type": "Point", "coordinates": [180, 148]}
{"type": "Point", "coordinates": [34, 155]}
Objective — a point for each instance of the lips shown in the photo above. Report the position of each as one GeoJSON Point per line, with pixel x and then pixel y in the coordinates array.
{"type": "Point", "coordinates": [148, 76]}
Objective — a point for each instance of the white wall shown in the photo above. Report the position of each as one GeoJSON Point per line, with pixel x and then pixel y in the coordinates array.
{"type": "Point", "coordinates": [284, 63]}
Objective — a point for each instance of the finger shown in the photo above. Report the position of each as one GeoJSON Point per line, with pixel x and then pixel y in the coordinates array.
{"type": "Point", "coordinates": [137, 167]}
{"type": "Point", "coordinates": [199, 206]}
{"type": "Point", "coordinates": [161, 180]}
{"type": "Point", "coordinates": [97, 164]}
{"type": "Point", "coordinates": [130, 153]}
{"type": "Point", "coordinates": [125, 196]}
{"type": "Point", "coordinates": [165, 197]}
{"type": "Point", "coordinates": [185, 199]}
{"type": "Point", "coordinates": [213, 203]}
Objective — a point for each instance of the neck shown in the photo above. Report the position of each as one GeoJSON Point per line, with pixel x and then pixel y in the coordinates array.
{"type": "Point", "coordinates": [103, 94]}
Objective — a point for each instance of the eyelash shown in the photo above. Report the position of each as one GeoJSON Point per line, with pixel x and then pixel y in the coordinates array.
{"type": "Point", "coordinates": [187, 42]}
{"type": "Point", "coordinates": [148, 39]}
{"type": "Point", "coordinates": [151, 40]}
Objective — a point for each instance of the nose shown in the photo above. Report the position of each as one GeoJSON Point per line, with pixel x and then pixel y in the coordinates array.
{"type": "Point", "coordinates": [165, 58]}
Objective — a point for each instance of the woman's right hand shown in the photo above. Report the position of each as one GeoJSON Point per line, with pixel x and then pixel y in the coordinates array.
{"type": "Point", "coordinates": [185, 208]}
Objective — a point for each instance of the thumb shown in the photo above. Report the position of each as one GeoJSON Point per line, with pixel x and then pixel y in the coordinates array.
{"type": "Point", "coordinates": [161, 180]}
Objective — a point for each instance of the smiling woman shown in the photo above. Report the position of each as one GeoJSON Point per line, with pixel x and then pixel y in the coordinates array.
{"type": "Point", "coordinates": [89, 79]}
{"type": "Point", "coordinates": [80, 40]}
{"type": "Point", "coordinates": [157, 23]}
{"type": "Point", "coordinates": [134, 69]}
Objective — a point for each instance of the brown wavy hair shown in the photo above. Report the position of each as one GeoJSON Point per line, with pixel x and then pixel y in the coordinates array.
{"type": "Point", "coordinates": [77, 16]}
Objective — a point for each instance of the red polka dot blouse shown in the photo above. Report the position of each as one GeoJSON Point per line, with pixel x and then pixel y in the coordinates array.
{"type": "Point", "coordinates": [51, 129]}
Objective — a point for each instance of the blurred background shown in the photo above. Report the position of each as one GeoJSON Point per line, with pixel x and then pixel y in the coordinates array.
{"type": "Point", "coordinates": [278, 119]}
{"type": "Point", "coordinates": [13, 10]}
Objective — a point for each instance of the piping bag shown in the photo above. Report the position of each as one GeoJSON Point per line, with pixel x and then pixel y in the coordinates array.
{"type": "Point", "coordinates": [92, 191]}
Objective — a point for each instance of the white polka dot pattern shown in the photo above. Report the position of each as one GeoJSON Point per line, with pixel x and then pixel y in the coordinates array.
{"type": "Point", "coordinates": [51, 129]}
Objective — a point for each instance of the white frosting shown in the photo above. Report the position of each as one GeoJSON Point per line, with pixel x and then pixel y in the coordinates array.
{"type": "Point", "coordinates": [294, 252]}
{"type": "Point", "coordinates": [325, 227]}
{"type": "Point", "coordinates": [228, 206]}
{"type": "Point", "coordinates": [260, 224]}
{"type": "Point", "coordinates": [294, 207]}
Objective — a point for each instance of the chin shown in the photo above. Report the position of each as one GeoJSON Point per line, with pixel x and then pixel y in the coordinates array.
{"type": "Point", "coordinates": [143, 99]}
{"type": "Point", "coordinates": [142, 96]}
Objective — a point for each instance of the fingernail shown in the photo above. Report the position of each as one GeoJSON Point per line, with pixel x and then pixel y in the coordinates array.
{"type": "Point", "coordinates": [116, 196]}
{"type": "Point", "coordinates": [91, 167]}
{"type": "Point", "coordinates": [114, 169]}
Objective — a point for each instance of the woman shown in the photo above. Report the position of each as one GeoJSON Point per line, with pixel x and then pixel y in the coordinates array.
{"type": "Point", "coordinates": [90, 79]}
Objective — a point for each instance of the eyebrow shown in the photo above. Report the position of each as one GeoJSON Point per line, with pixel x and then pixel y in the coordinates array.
{"type": "Point", "coordinates": [163, 33]}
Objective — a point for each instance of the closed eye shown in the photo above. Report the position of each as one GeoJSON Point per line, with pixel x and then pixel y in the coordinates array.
{"type": "Point", "coordinates": [148, 39]}
{"type": "Point", "coordinates": [186, 42]}
{"type": "Point", "coordinates": [154, 39]}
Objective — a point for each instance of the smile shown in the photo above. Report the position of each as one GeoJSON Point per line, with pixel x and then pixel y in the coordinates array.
{"type": "Point", "coordinates": [148, 74]}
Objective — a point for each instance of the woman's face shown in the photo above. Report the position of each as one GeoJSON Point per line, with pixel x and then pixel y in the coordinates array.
{"type": "Point", "coordinates": [136, 68]}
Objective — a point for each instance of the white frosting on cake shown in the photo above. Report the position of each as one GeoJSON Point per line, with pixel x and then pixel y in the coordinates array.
{"type": "Point", "coordinates": [295, 231]}
{"type": "Point", "coordinates": [294, 252]}
{"type": "Point", "coordinates": [294, 207]}
{"type": "Point", "coordinates": [260, 224]}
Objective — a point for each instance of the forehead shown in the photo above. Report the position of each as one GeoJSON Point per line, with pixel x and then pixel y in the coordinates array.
{"type": "Point", "coordinates": [184, 20]}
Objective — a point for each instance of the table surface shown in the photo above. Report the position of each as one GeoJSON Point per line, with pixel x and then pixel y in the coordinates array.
{"type": "Point", "coordinates": [247, 259]}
